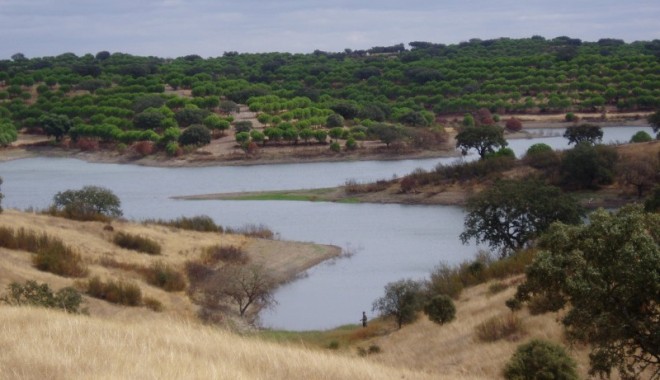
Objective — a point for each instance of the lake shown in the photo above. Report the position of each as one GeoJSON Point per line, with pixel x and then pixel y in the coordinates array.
{"type": "Point", "coordinates": [388, 242]}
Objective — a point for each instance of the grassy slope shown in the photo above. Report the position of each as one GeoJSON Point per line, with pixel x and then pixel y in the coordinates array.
{"type": "Point", "coordinates": [39, 344]}
{"type": "Point", "coordinates": [283, 259]}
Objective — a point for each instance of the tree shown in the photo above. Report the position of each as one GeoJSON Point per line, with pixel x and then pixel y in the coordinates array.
{"type": "Point", "coordinates": [640, 137]}
{"type": "Point", "coordinates": [150, 118]}
{"type": "Point", "coordinates": [243, 126]}
{"type": "Point", "coordinates": [484, 139]}
{"type": "Point", "coordinates": [334, 121]}
{"type": "Point", "coordinates": [639, 171]}
{"type": "Point", "coordinates": [539, 359]}
{"type": "Point", "coordinates": [510, 214]}
{"type": "Point", "coordinates": [605, 274]}
{"type": "Point", "coordinates": [587, 166]}
{"type": "Point", "coordinates": [55, 125]}
{"type": "Point", "coordinates": [386, 133]}
{"type": "Point", "coordinates": [87, 203]}
{"type": "Point", "coordinates": [654, 120]}
{"type": "Point", "coordinates": [195, 135]}
{"type": "Point", "coordinates": [402, 301]}
{"type": "Point", "coordinates": [440, 309]}
{"type": "Point", "coordinates": [513, 124]}
{"type": "Point", "coordinates": [584, 133]}
{"type": "Point", "coordinates": [216, 123]}
{"type": "Point", "coordinates": [8, 133]}
{"type": "Point", "coordinates": [245, 285]}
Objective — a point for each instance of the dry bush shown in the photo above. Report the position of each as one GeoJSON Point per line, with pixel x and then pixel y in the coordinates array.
{"type": "Point", "coordinates": [229, 254]}
{"type": "Point", "coordinates": [137, 243]}
{"type": "Point", "coordinates": [119, 292]}
{"type": "Point", "coordinates": [508, 327]}
{"type": "Point", "coordinates": [51, 254]}
{"type": "Point", "coordinates": [87, 144]}
{"type": "Point", "coordinates": [252, 230]}
{"type": "Point", "coordinates": [165, 277]}
{"type": "Point", "coordinates": [153, 304]}
{"type": "Point", "coordinates": [353, 187]}
{"type": "Point", "coordinates": [144, 148]}
{"type": "Point", "coordinates": [200, 223]}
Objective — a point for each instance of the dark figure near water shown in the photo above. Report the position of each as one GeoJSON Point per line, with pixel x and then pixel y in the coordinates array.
{"type": "Point", "coordinates": [364, 319]}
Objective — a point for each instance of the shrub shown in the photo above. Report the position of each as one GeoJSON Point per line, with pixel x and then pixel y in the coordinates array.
{"type": "Point", "coordinates": [641, 136]}
{"type": "Point", "coordinates": [87, 144]}
{"type": "Point", "coordinates": [541, 156]}
{"type": "Point", "coordinates": [118, 292]}
{"type": "Point", "coordinates": [497, 287]}
{"type": "Point", "coordinates": [200, 223]}
{"type": "Point", "coordinates": [172, 149]}
{"type": "Point", "coordinates": [335, 147]}
{"type": "Point", "coordinates": [227, 253]}
{"type": "Point", "coordinates": [51, 254]}
{"type": "Point", "coordinates": [351, 144]}
{"type": "Point", "coordinates": [496, 328]}
{"type": "Point", "coordinates": [440, 309]}
{"type": "Point", "coordinates": [153, 304]}
{"type": "Point", "coordinates": [137, 243]}
{"type": "Point", "coordinates": [513, 125]}
{"type": "Point", "coordinates": [34, 294]}
{"type": "Point", "coordinates": [144, 148]}
{"type": "Point", "coordinates": [540, 359]}
{"type": "Point", "coordinates": [59, 259]}
{"type": "Point", "coordinates": [195, 135]}
{"type": "Point", "coordinates": [253, 230]}
{"type": "Point", "coordinates": [88, 203]}
{"type": "Point", "coordinates": [333, 345]}
{"type": "Point", "coordinates": [571, 117]}
{"type": "Point", "coordinates": [165, 277]}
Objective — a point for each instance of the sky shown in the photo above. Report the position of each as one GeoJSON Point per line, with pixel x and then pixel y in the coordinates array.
{"type": "Point", "coordinates": [174, 28]}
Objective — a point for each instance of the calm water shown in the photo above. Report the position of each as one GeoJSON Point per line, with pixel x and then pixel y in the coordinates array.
{"type": "Point", "coordinates": [389, 242]}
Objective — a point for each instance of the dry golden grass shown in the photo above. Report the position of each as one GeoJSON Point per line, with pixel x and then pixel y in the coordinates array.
{"type": "Point", "coordinates": [44, 344]}
{"type": "Point", "coordinates": [453, 349]}
{"type": "Point", "coordinates": [94, 243]}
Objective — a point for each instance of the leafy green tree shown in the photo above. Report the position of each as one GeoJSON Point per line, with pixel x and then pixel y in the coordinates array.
{"type": "Point", "coordinates": [257, 136]}
{"type": "Point", "coordinates": [88, 202]}
{"type": "Point", "coordinates": [190, 115]}
{"type": "Point", "coordinates": [440, 309]}
{"type": "Point", "coordinates": [587, 166]}
{"type": "Point", "coordinates": [539, 359]}
{"type": "Point", "coordinates": [386, 133]}
{"type": "Point", "coordinates": [243, 126]}
{"type": "Point", "coordinates": [273, 134]}
{"type": "Point", "coordinates": [8, 133]}
{"type": "Point", "coordinates": [640, 137]}
{"type": "Point", "coordinates": [336, 133]}
{"type": "Point", "coordinates": [584, 133]}
{"type": "Point", "coordinates": [605, 274]}
{"type": "Point", "coordinates": [320, 136]}
{"type": "Point", "coordinates": [242, 138]}
{"type": "Point", "coordinates": [55, 125]}
{"type": "Point", "coordinates": [484, 139]}
{"type": "Point", "coordinates": [541, 156]}
{"type": "Point", "coordinates": [334, 121]}
{"type": "Point", "coordinates": [150, 118]}
{"type": "Point", "coordinates": [511, 213]}
{"type": "Point", "coordinates": [216, 123]}
{"type": "Point", "coordinates": [346, 110]}
{"type": "Point", "coordinates": [195, 135]}
{"type": "Point", "coordinates": [402, 301]}
{"type": "Point", "coordinates": [654, 120]}
{"type": "Point", "coordinates": [306, 134]}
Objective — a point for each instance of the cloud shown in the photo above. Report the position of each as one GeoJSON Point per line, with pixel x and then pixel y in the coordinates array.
{"type": "Point", "coordinates": [176, 27]}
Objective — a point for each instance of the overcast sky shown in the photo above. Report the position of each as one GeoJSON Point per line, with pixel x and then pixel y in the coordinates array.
{"type": "Point", "coordinates": [173, 28]}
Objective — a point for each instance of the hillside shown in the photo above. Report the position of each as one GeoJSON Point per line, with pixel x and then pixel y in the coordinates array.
{"type": "Point", "coordinates": [382, 102]}
{"type": "Point", "coordinates": [40, 344]}
{"type": "Point", "coordinates": [284, 260]}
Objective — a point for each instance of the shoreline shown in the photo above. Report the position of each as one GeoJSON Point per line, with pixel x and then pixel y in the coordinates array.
{"type": "Point", "coordinates": [299, 154]}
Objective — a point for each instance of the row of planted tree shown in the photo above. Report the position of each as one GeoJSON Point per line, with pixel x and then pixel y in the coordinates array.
{"type": "Point", "coordinates": [123, 98]}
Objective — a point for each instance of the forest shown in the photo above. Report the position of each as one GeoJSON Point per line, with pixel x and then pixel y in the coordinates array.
{"type": "Point", "coordinates": [116, 99]}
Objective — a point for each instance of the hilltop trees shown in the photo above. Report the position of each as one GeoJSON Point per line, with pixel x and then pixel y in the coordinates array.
{"type": "Point", "coordinates": [55, 125]}
{"type": "Point", "coordinates": [8, 133]}
{"type": "Point", "coordinates": [509, 214]}
{"type": "Point", "coordinates": [605, 274]}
